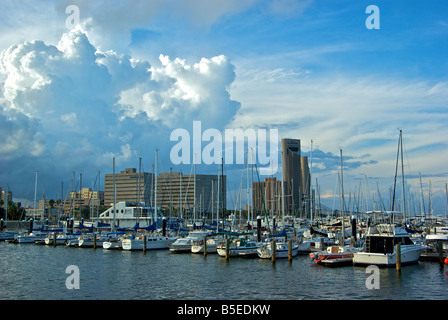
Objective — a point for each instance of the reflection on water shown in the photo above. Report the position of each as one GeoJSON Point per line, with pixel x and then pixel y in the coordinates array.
{"type": "Point", "coordinates": [31, 271]}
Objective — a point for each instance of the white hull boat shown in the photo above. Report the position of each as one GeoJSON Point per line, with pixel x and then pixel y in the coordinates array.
{"type": "Point", "coordinates": [239, 248]}
{"type": "Point", "coordinates": [184, 244]}
{"type": "Point", "coordinates": [30, 238]}
{"type": "Point", "coordinates": [210, 244]}
{"type": "Point", "coordinates": [152, 243]}
{"type": "Point", "coordinates": [8, 235]}
{"type": "Point", "coordinates": [380, 247]}
{"type": "Point", "coordinates": [88, 241]}
{"type": "Point", "coordinates": [61, 239]}
{"type": "Point", "coordinates": [113, 245]}
{"type": "Point", "coordinates": [281, 250]}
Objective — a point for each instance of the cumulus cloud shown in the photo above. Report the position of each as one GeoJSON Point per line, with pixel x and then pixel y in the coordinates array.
{"type": "Point", "coordinates": [182, 93]}
{"type": "Point", "coordinates": [76, 105]}
{"type": "Point", "coordinates": [19, 136]}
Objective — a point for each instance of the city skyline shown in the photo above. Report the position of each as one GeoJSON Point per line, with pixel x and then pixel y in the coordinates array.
{"type": "Point", "coordinates": [117, 79]}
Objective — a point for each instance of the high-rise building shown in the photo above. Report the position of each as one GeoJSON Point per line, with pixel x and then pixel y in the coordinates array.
{"type": "Point", "coordinates": [175, 191]}
{"type": "Point", "coordinates": [305, 186]}
{"type": "Point", "coordinates": [128, 187]}
{"type": "Point", "coordinates": [292, 174]}
{"type": "Point", "coordinates": [267, 196]}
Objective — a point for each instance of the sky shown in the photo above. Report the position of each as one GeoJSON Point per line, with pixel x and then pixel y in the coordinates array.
{"type": "Point", "coordinates": [84, 82]}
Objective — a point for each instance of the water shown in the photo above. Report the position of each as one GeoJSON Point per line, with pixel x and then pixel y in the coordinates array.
{"type": "Point", "coordinates": [38, 272]}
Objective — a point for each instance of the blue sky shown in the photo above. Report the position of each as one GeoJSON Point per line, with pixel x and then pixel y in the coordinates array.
{"type": "Point", "coordinates": [133, 71]}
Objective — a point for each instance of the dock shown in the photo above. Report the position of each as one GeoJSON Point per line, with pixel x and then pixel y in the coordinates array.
{"type": "Point", "coordinates": [337, 262]}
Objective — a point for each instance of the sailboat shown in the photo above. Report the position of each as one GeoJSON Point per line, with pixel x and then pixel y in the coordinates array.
{"type": "Point", "coordinates": [150, 242]}
{"type": "Point", "coordinates": [341, 252]}
{"type": "Point", "coordinates": [382, 239]}
{"type": "Point", "coordinates": [211, 244]}
{"type": "Point", "coordinates": [239, 247]}
{"type": "Point", "coordinates": [264, 251]}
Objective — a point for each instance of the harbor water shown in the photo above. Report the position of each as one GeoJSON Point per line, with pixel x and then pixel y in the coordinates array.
{"type": "Point", "coordinates": [40, 272]}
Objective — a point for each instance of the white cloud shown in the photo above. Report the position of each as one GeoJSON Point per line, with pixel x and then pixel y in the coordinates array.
{"type": "Point", "coordinates": [19, 136]}
{"type": "Point", "coordinates": [359, 114]}
{"type": "Point", "coordinates": [77, 106]}
{"type": "Point", "coordinates": [179, 93]}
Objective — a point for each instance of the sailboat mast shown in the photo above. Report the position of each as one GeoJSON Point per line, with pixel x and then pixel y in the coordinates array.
{"type": "Point", "coordinates": [138, 189]}
{"type": "Point", "coordinates": [194, 190]}
{"type": "Point", "coordinates": [311, 182]}
{"type": "Point", "coordinates": [155, 186]}
{"type": "Point", "coordinates": [115, 194]}
{"type": "Point", "coordinates": [180, 187]}
{"type": "Point", "coordinates": [396, 172]}
{"type": "Point", "coordinates": [342, 197]}
{"type": "Point", "coordinates": [35, 195]}
{"type": "Point", "coordinates": [402, 176]}
{"type": "Point", "coordinates": [222, 191]}
{"type": "Point", "coordinates": [217, 203]}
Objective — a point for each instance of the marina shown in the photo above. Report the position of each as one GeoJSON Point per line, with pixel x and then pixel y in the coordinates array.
{"type": "Point", "coordinates": [33, 272]}
{"type": "Point", "coordinates": [139, 252]}
{"type": "Point", "coordinates": [238, 267]}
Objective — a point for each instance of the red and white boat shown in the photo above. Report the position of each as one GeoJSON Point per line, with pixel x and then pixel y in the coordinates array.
{"type": "Point", "coordinates": [334, 252]}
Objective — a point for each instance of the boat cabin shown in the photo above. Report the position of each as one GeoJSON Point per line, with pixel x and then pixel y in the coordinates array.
{"type": "Point", "coordinates": [383, 238]}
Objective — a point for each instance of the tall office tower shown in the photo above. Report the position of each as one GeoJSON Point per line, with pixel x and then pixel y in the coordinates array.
{"type": "Point", "coordinates": [176, 191]}
{"type": "Point", "coordinates": [127, 186]}
{"type": "Point", "coordinates": [306, 186]}
{"type": "Point", "coordinates": [292, 174]}
{"type": "Point", "coordinates": [267, 196]}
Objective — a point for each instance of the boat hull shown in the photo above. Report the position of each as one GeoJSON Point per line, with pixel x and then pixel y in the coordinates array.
{"type": "Point", "coordinates": [237, 252]}
{"type": "Point", "coordinates": [409, 254]}
{"type": "Point", "coordinates": [198, 247]}
{"type": "Point", "coordinates": [152, 243]}
{"type": "Point", "coordinates": [111, 245]}
{"type": "Point", "coordinates": [180, 248]}
{"type": "Point", "coordinates": [279, 253]}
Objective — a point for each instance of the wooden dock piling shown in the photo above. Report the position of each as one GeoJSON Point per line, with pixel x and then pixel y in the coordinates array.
{"type": "Point", "coordinates": [290, 250]}
{"type": "Point", "coordinates": [227, 248]}
{"type": "Point", "coordinates": [398, 257]}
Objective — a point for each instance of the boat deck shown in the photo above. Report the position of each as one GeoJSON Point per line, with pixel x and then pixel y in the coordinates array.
{"type": "Point", "coordinates": [337, 262]}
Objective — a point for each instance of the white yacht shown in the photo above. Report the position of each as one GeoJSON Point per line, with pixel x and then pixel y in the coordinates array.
{"type": "Point", "coordinates": [89, 241]}
{"type": "Point", "coordinates": [210, 244]}
{"type": "Point", "coordinates": [31, 237]}
{"type": "Point", "coordinates": [239, 247]}
{"type": "Point", "coordinates": [264, 251]}
{"type": "Point", "coordinates": [153, 242]}
{"type": "Point", "coordinates": [380, 247]}
{"type": "Point", "coordinates": [184, 244]}
{"type": "Point", "coordinates": [61, 239]}
{"type": "Point", "coordinates": [128, 214]}
{"type": "Point", "coordinates": [8, 235]}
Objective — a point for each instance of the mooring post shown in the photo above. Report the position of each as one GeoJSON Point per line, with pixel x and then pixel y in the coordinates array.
{"type": "Point", "coordinates": [144, 243]}
{"type": "Point", "coordinates": [227, 247]}
{"type": "Point", "coordinates": [440, 250]}
{"type": "Point", "coordinates": [398, 256]}
{"type": "Point", "coordinates": [290, 250]}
